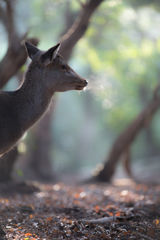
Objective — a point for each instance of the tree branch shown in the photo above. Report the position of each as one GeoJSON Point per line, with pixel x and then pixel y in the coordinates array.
{"type": "Point", "coordinates": [78, 29]}
{"type": "Point", "coordinates": [13, 60]}
{"type": "Point", "coordinates": [156, 92]}
{"type": "Point", "coordinates": [125, 139]}
{"type": "Point", "coordinates": [7, 17]}
{"type": "Point", "coordinates": [16, 55]}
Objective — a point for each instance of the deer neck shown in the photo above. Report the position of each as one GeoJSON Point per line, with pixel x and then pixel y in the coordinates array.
{"type": "Point", "coordinates": [33, 101]}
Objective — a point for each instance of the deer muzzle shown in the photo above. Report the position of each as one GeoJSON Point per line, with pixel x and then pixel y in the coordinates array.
{"type": "Point", "coordinates": [85, 82]}
{"type": "Point", "coordinates": [81, 86]}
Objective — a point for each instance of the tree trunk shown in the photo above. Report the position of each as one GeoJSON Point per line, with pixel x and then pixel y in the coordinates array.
{"type": "Point", "coordinates": [6, 164]}
{"type": "Point", "coordinates": [38, 159]}
{"type": "Point", "coordinates": [126, 138]}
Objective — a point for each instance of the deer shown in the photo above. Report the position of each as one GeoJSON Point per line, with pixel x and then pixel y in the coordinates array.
{"type": "Point", "coordinates": [46, 74]}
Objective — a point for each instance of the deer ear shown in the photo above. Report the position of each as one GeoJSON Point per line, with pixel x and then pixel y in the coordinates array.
{"type": "Point", "coordinates": [50, 55]}
{"type": "Point", "coordinates": [55, 51]}
{"type": "Point", "coordinates": [31, 50]}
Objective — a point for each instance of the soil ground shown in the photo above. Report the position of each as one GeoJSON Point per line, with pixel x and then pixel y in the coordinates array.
{"type": "Point", "coordinates": [124, 210]}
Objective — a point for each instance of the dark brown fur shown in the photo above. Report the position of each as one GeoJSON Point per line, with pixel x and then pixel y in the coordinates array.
{"type": "Point", "coordinates": [19, 110]}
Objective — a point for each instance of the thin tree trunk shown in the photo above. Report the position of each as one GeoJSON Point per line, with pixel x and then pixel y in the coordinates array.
{"type": "Point", "coordinates": [6, 164]}
{"type": "Point", "coordinates": [39, 159]}
{"type": "Point", "coordinates": [126, 138]}
{"type": "Point", "coordinates": [127, 162]}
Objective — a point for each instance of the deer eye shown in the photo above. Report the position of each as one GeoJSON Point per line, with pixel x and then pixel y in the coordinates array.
{"type": "Point", "coordinates": [64, 66]}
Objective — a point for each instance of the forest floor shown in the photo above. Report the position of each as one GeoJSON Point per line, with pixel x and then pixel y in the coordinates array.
{"type": "Point", "coordinates": [124, 210]}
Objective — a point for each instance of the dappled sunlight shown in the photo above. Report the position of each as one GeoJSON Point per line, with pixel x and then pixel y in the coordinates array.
{"type": "Point", "coordinates": [22, 147]}
{"type": "Point", "coordinates": [85, 210]}
{"type": "Point", "coordinates": [97, 169]}
{"type": "Point", "coordinates": [95, 151]}
{"type": "Point", "coordinates": [123, 182]}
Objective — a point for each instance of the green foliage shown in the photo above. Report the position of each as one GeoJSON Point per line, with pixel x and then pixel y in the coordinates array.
{"type": "Point", "coordinates": [127, 54]}
{"type": "Point", "coordinates": [142, 3]}
{"type": "Point", "coordinates": [19, 172]}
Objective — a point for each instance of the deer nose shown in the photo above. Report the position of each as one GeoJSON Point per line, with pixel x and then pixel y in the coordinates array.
{"type": "Point", "coordinates": [86, 83]}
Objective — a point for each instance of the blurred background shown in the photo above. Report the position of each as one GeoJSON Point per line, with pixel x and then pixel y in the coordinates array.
{"type": "Point", "coordinates": [118, 52]}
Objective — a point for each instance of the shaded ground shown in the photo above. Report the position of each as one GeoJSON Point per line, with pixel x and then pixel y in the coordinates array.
{"type": "Point", "coordinates": [63, 212]}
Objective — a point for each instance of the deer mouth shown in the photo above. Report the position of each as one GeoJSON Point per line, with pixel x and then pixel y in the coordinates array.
{"type": "Point", "coordinates": [80, 87]}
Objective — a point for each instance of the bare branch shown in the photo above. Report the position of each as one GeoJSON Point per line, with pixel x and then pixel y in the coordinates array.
{"type": "Point", "coordinates": [156, 92]}
{"type": "Point", "coordinates": [125, 139]}
{"type": "Point", "coordinates": [13, 61]}
{"type": "Point", "coordinates": [79, 27]}
{"type": "Point", "coordinates": [81, 4]}
{"type": "Point", "coordinates": [7, 16]}
{"type": "Point", "coordinates": [3, 16]}
{"type": "Point", "coordinates": [16, 55]}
